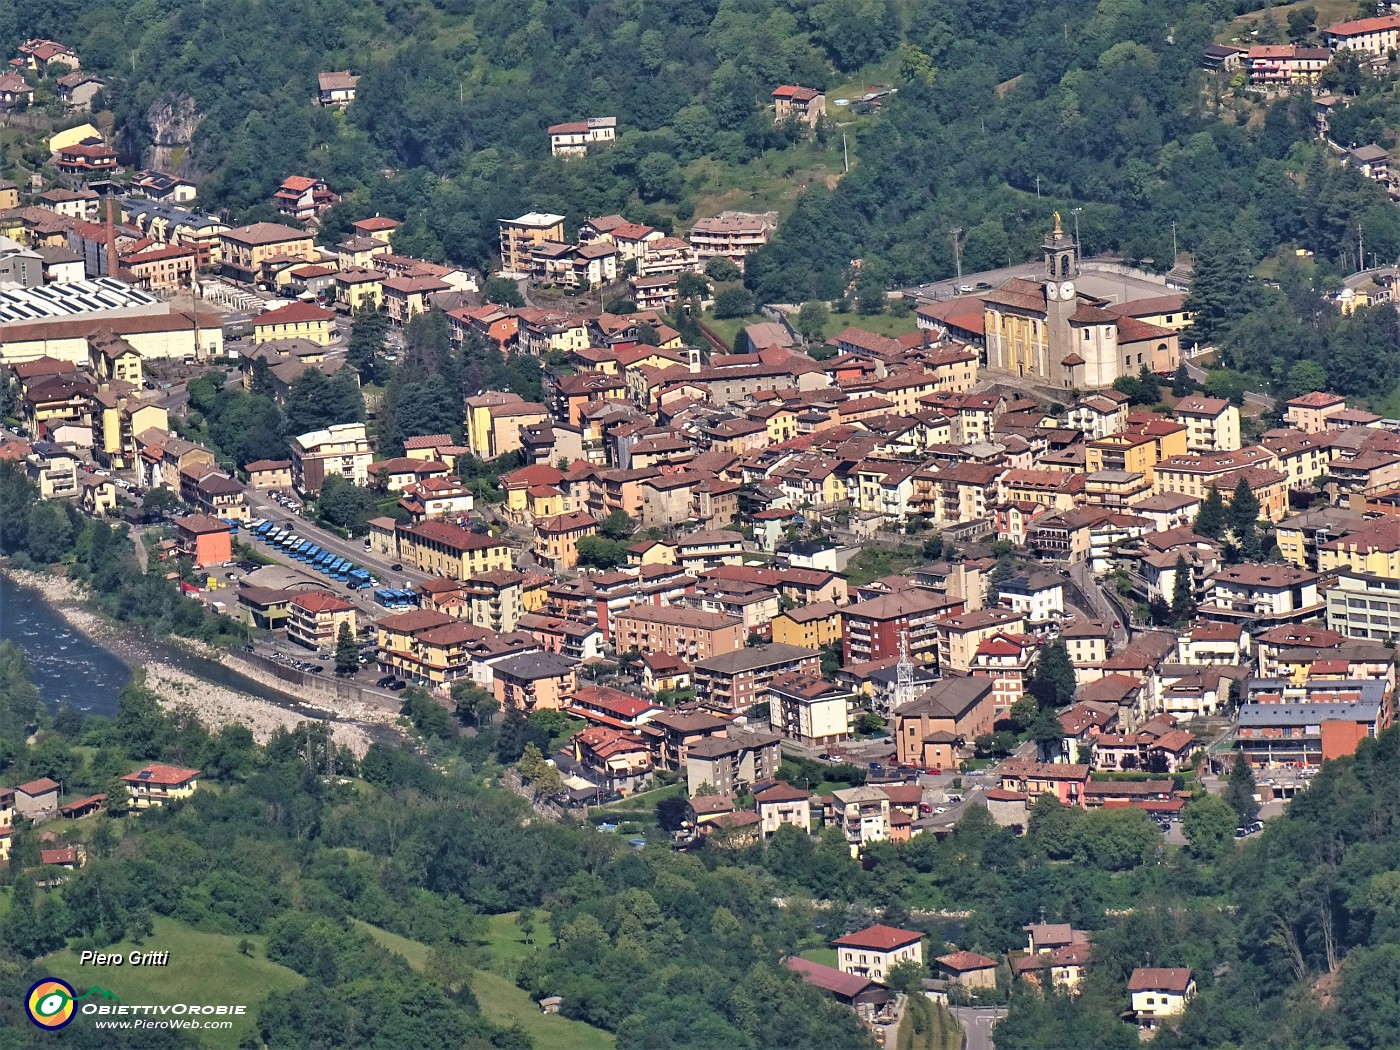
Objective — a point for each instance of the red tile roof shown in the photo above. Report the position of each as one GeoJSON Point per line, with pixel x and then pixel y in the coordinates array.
{"type": "Point", "coordinates": [294, 313]}
{"type": "Point", "coordinates": [165, 776]}
{"type": "Point", "coordinates": [879, 938]}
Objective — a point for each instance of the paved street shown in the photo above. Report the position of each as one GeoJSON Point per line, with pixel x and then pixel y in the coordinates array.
{"type": "Point", "coordinates": [978, 1024]}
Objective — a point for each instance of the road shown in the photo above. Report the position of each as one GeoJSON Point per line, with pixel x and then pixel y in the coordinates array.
{"type": "Point", "coordinates": [1106, 606]}
{"type": "Point", "coordinates": [978, 1023]}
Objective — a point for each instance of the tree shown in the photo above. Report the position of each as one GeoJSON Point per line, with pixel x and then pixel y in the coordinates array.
{"type": "Point", "coordinates": [734, 302]}
{"type": "Point", "coordinates": [347, 651]}
{"type": "Point", "coordinates": [812, 320]}
{"type": "Point", "coordinates": [341, 502]}
{"type": "Point", "coordinates": [368, 332]}
{"type": "Point", "coordinates": [160, 502]}
{"type": "Point", "coordinates": [525, 923]}
{"type": "Point", "coordinates": [50, 534]}
{"type": "Point", "coordinates": [503, 292]}
{"type": "Point", "coordinates": [1210, 519]}
{"type": "Point", "coordinates": [1052, 683]}
{"type": "Point", "coordinates": [1306, 376]}
{"type": "Point", "coordinates": [1302, 21]}
{"type": "Point", "coordinates": [1024, 713]}
{"type": "Point", "coordinates": [599, 552]}
{"type": "Point", "coordinates": [618, 525]}
{"type": "Point", "coordinates": [692, 286]}
{"type": "Point", "coordinates": [1244, 521]}
{"type": "Point", "coordinates": [1239, 791]}
{"type": "Point", "coordinates": [1181, 381]}
{"type": "Point", "coordinates": [1048, 733]}
{"type": "Point", "coordinates": [1219, 288]}
{"type": "Point", "coordinates": [118, 799]}
{"type": "Point", "coordinates": [475, 705]}
{"type": "Point", "coordinates": [1183, 593]}
{"type": "Point", "coordinates": [1209, 827]}
{"type": "Point", "coordinates": [906, 977]}
{"type": "Point", "coordinates": [721, 269]}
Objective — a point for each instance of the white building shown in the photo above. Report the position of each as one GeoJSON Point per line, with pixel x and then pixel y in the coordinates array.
{"type": "Point", "coordinates": [805, 708]}
{"type": "Point", "coordinates": [574, 139]}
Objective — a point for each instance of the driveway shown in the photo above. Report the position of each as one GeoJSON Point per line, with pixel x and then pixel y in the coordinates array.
{"type": "Point", "coordinates": [978, 1023]}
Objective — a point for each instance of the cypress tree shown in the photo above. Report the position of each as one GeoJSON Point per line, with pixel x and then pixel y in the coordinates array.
{"type": "Point", "coordinates": [1183, 593]}
{"type": "Point", "coordinates": [1239, 790]}
{"type": "Point", "coordinates": [1210, 520]}
{"type": "Point", "coordinates": [1244, 520]}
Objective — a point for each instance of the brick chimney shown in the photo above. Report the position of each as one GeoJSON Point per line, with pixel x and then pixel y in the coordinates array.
{"type": "Point", "coordinates": [113, 266]}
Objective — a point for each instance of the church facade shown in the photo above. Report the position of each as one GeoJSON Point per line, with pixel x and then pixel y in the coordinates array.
{"type": "Point", "coordinates": [1050, 331]}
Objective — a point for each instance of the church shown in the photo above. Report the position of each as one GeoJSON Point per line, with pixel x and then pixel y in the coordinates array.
{"type": "Point", "coordinates": [1051, 332]}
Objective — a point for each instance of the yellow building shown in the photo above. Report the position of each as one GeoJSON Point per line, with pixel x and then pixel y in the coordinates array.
{"type": "Point", "coordinates": [156, 785]}
{"type": "Point", "coordinates": [360, 288]}
{"type": "Point", "coordinates": [247, 249]}
{"type": "Point", "coordinates": [810, 626]}
{"type": "Point", "coordinates": [112, 357]}
{"type": "Point", "coordinates": [295, 321]}
{"type": "Point", "coordinates": [1138, 449]}
{"type": "Point", "coordinates": [61, 140]}
{"type": "Point", "coordinates": [9, 196]}
{"type": "Point", "coordinates": [445, 550]}
{"type": "Point", "coordinates": [519, 236]}
{"type": "Point", "coordinates": [315, 617]}
{"type": "Point", "coordinates": [1373, 551]}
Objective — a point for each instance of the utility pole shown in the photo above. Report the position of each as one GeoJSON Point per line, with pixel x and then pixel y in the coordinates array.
{"type": "Point", "coordinates": [957, 251]}
{"type": "Point", "coordinates": [1173, 244]}
{"type": "Point", "coordinates": [1037, 187]}
{"type": "Point", "coordinates": [1360, 247]}
{"type": "Point", "coordinates": [845, 156]}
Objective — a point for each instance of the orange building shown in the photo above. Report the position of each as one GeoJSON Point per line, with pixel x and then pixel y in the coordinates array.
{"type": "Point", "coordinates": [208, 540]}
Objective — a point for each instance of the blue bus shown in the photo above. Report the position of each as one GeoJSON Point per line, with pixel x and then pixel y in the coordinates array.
{"type": "Point", "coordinates": [359, 579]}
{"type": "Point", "coordinates": [323, 559]}
{"type": "Point", "coordinates": [340, 574]}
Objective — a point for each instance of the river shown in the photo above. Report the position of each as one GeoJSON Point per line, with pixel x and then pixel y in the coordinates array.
{"type": "Point", "coordinates": [68, 665]}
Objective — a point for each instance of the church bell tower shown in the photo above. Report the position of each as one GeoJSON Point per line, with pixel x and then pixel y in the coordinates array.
{"type": "Point", "coordinates": [1061, 267]}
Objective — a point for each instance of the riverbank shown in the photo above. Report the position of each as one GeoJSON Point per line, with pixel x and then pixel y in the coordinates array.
{"type": "Point", "coordinates": [353, 725]}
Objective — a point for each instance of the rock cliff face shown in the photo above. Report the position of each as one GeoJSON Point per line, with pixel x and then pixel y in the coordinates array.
{"type": "Point", "coordinates": [173, 120]}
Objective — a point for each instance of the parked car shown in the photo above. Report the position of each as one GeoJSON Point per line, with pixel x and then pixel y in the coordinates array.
{"type": "Point", "coordinates": [399, 684]}
{"type": "Point", "coordinates": [396, 567]}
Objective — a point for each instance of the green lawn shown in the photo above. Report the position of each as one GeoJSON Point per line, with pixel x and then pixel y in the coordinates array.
{"type": "Point", "coordinates": [874, 562]}
{"type": "Point", "coordinates": [500, 999]}
{"type": "Point", "coordinates": [821, 956]}
{"type": "Point", "coordinates": [886, 324]}
{"type": "Point", "coordinates": [203, 968]}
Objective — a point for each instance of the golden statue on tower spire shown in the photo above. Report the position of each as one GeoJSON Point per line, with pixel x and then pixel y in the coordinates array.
{"type": "Point", "coordinates": [1058, 231]}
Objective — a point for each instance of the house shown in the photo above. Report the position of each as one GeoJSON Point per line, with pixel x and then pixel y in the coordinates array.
{"type": "Point", "coordinates": [519, 236]}
{"type": "Point", "coordinates": [534, 681]}
{"type": "Point", "coordinates": [690, 634]}
{"type": "Point", "coordinates": [960, 635]}
{"type": "Point", "coordinates": [1212, 424]}
{"type": "Point", "coordinates": [739, 679]}
{"type": "Point", "coordinates": [809, 710]}
{"type": "Point", "coordinates": [680, 730]}
{"type": "Point", "coordinates": [303, 198]}
{"type": "Point", "coordinates": [1266, 594]}
{"type": "Point", "coordinates": [859, 993]}
{"type": "Point", "coordinates": [14, 91]}
{"type": "Point", "coordinates": [574, 139]}
{"type": "Point", "coordinates": [84, 158]}
{"type": "Point", "coordinates": [446, 550]}
{"type": "Point", "coordinates": [813, 626]}
{"type": "Point", "coordinates": [295, 321]}
{"type": "Point", "coordinates": [315, 619]}
{"type": "Point", "coordinates": [247, 251]}
{"type": "Point", "coordinates": [155, 785]}
{"type": "Point", "coordinates": [77, 90]}
{"type": "Point", "coordinates": [407, 297]}
{"type": "Point", "coordinates": [207, 540]}
{"type": "Point", "coordinates": [342, 448]}
{"type": "Point", "coordinates": [336, 88]}
{"type": "Point", "coordinates": [1283, 66]}
{"type": "Point", "coordinates": [784, 805]}
{"type": "Point", "coordinates": [1038, 597]}
{"type": "Point", "coordinates": [732, 763]}
{"type": "Point", "coordinates": [874, 629]}
{"type": "Point", "coordinates": [1158, 993]}
{"type": "Point", "coordinates": [936, 730]}
{"type": "Point", "coordinates": [731, 235]}
{"type": "Point", "coordinates": [1375, 39]}
{"type": "Point", "coordinates": [621, 760]}
{"type": "Point", "coordinates": [269, 474]}
{"type": "Point", "coordinates": [876, 950]}
{"type": "Point", "coordinates": [1311, 412]}
{"type": "Point", "coordinates": [968, 969]}
{"type": "Point", "coordinates": [792, 102]}
{"type": "Point", "coordinates": [37, 800]}
{"type": "Point", "coordinates": [862, 813]}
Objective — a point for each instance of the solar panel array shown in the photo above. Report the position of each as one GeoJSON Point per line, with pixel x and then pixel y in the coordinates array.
{"type": "Point", "coordinates": [48, 302]}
